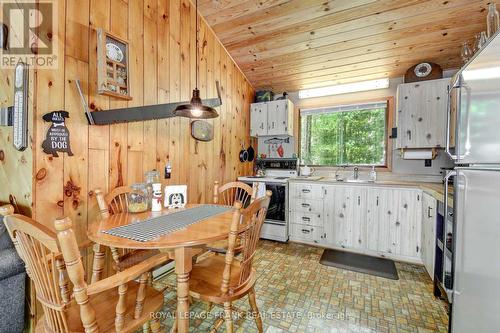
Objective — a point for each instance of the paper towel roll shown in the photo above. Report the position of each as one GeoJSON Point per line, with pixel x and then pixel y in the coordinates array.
{"type": "Point", "coordinates": [420, 154]}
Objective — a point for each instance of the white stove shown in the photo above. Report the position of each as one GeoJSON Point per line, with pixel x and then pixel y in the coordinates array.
{"type": "Point", "coordinates": [277, 174]}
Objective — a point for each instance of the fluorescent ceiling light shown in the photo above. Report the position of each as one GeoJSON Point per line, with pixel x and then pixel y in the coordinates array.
{"type": "Point", "coordinates": [481, 74]}
{"type": "Point", "coordinates": [345, 88]}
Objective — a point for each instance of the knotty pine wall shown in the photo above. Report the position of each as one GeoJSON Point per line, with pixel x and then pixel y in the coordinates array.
{"type": "Point", "coordinates": [161, 35]}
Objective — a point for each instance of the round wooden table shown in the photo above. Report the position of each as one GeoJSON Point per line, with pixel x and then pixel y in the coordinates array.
{"type": "Point", "coordinates": [180, 243]}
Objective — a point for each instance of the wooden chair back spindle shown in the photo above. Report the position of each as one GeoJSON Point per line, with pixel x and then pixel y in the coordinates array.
{"type": "Point", "coordinates": [247, 225]}
{"type": "Point", "coordinates": [115, 201]}
{"type": "Point", "coordinates": [230, 193]}
{"type": "Point", "coordinates": [38, 247]}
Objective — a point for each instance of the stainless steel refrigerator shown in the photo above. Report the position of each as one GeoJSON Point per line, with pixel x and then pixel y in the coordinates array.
{"type": "Point", "coordinates": [474, 144]}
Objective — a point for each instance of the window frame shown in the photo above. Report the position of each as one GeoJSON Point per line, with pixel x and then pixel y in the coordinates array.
{"type": "Point", "coordinates": [389, 121]}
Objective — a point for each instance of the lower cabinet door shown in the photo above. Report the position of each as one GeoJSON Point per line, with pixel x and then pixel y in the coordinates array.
{"type": "Point", "coordinates": [345, 212]}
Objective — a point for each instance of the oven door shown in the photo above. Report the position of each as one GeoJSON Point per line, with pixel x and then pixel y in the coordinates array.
{"type": "Point", "coordinates": [277, 211]}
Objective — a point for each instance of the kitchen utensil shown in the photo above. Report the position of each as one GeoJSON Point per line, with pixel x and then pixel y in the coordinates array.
{"type": "Point", "coordinates": [243, 153]}
{"type": "Point", "coordinates": [281, 151]}
{"type": "Point", "coordinates": [306, 171]}
{"type": "Point", "coordinates": [251, 153]}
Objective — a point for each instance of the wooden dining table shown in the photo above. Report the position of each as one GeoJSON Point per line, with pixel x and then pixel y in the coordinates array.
{"type": "Point", "coordinates": [181, 245]}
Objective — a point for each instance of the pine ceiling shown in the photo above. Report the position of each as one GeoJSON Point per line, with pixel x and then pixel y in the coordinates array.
{"type": "Point", "coordinates": [287, 45]}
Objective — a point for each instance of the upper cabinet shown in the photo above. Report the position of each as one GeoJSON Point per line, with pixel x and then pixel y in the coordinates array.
{"type": "Point", "coordinates": [421, 114]}
{"type": "Point", "coordinates": [271, 118]}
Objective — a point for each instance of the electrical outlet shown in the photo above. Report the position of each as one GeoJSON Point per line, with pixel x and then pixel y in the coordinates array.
{"type": "Point", "coordinates": [428, 163]}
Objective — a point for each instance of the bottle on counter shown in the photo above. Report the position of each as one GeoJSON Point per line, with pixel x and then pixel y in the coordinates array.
{"type": "Point", "coordinates": [156, 201]}
{"type": "Point", "coordinates": [493, 20]}
{"type": "Point", "coordinates": [373, 174]}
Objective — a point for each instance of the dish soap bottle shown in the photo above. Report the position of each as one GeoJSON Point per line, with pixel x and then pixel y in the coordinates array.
{"type": "Point", "coordinates": [373, 174]}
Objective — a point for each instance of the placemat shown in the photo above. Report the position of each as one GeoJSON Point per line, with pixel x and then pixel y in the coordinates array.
{"type": "Point", "coordinates": [157, 226]}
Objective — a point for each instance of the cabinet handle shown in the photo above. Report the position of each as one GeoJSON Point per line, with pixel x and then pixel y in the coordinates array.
{"type": "Point", "coordinates": [305, 218]}
{"type": "Point", "coordinates": [273, 124]}
{"type": "Point", "coordinates": [305, 231]}
{"type": "Point", "coordinates": [377, 200]}
{"type": "Point", "coordinates": [429, 211]}
{"type": "Point", "coordinates": [359, 200]}
{"type": "Point", "coordinates": [408, 132]}
{"type": "Point", "coordinates": [305, 190]}
{"type": "Point", "coordinates": [306, 205]}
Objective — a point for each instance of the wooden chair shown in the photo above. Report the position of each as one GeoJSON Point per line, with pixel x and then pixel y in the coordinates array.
{"type": "Point", "coordinates": [51, 258]}
{"type": "Point", "coordinates": [116, 202]}
{"type": "Point", "coordinates": [228, 194]}
{"type": "Point", "coordinates": [232, 192]}
{"type": "Point", "coordinates": [224, 279]}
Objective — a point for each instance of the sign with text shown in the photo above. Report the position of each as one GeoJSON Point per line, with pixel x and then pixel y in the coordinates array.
{"type": "Point", "coordinates": [57, 138]}
{"type": "Point", "coordinates": [30, 33]}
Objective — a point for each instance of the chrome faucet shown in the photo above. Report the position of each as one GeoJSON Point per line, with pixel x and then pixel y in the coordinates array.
{"type": "Point", "coordinates": [355, 173]}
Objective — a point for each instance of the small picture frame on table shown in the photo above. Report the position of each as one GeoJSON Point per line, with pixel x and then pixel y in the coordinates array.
{"type": "Point", "coordinates": [112, 66]}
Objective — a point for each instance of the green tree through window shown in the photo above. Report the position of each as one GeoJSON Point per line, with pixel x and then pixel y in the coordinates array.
{"type": "Point", "coordinates": [333, 137]}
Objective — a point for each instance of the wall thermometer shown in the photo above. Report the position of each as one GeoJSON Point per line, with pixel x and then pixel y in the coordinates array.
{"type": "Point", "coordinates": [21, 107]}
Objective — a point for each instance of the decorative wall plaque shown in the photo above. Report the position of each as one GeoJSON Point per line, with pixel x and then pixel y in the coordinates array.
{"type": "Point", "coordinates": [202, 130]}
{"type": "Point", "coordinates": [57, 137]}
{"type": "Point", "coordinates": [112, 66]}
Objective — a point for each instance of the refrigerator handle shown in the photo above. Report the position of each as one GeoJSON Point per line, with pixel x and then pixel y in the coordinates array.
{"type": "Point", "coordinates": [455, 85]}
{"type": "Point", "coordinates": [446, 192]}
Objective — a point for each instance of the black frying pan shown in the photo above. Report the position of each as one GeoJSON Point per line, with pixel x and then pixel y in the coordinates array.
{"type": "Point", "coordinates": [243, 153]}
{"type": "Point", "coordinates": [251, 153]}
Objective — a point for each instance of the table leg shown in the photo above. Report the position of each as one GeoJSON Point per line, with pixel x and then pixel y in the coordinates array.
{"type": "Point", "coordinates": [183, 265]}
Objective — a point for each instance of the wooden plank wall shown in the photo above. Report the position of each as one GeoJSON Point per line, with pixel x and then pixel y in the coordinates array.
{"type": "Point", "coordinates": [16, 168]}
{"type": "Point", "coordinates": [162, 69]}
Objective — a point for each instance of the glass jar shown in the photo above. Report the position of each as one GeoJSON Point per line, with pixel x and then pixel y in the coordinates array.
{"type": "Point", "coordinates": [492, 20]}
{"type": "Point", "coordinates": [138, 198]}
{"type": "Point", "coordinates": [466, 52]}
{"type": "Point", "coordinates": [150, 178]}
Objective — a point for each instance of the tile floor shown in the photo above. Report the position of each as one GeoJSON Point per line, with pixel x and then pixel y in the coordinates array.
{"type": "Point", "coordinates": [297, 294]}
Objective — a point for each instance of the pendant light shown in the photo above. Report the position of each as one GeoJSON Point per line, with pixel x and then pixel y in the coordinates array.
{"type": "Point", "coordinates": [196, 109]}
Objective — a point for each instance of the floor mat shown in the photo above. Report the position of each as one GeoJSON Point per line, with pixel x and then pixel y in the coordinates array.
{"type": "Point", "coordinates": [360, 263]}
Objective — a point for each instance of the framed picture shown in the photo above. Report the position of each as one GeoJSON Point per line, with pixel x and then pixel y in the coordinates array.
{"type": "Point", "coordinates": [112, 66]}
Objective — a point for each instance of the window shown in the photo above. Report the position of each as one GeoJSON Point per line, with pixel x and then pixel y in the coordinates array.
{"type": "Point", "coordinates": [348, 134]}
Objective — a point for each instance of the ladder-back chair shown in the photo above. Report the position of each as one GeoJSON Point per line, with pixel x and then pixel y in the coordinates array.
{"type": "Point", "coordinates": [224, 279]}
{"type": "Point", "coordinates": [52, 258]}
{"type": "Point", "coordinates": [229, 194]}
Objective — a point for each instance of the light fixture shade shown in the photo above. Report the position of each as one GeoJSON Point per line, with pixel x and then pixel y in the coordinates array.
{"type": "Point", "coordinates": [195, 109]}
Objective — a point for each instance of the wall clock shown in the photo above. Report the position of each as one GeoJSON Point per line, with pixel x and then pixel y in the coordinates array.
{"type": "Point", "coordinates": [423, 71]}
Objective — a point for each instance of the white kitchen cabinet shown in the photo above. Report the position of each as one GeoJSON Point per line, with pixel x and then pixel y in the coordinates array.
{"type": "Point", "coordinates": [428, 253]}
{"type": "Point", "coordinates": [397, 215]}
{"type": "Point", "coordinates": [271, 118]}
{"type": "Point", "coordinates": [421, 114]}
{"type": "Point", "coordinates": [345, 213]}
{"type": "Point", "coordinates": [380, 221]}
{"type": "Point", "coordinates": [258, 119]}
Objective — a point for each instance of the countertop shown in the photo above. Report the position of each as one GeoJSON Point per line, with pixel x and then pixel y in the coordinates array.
{"type": "Point", "coordinates": [434, 189]}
